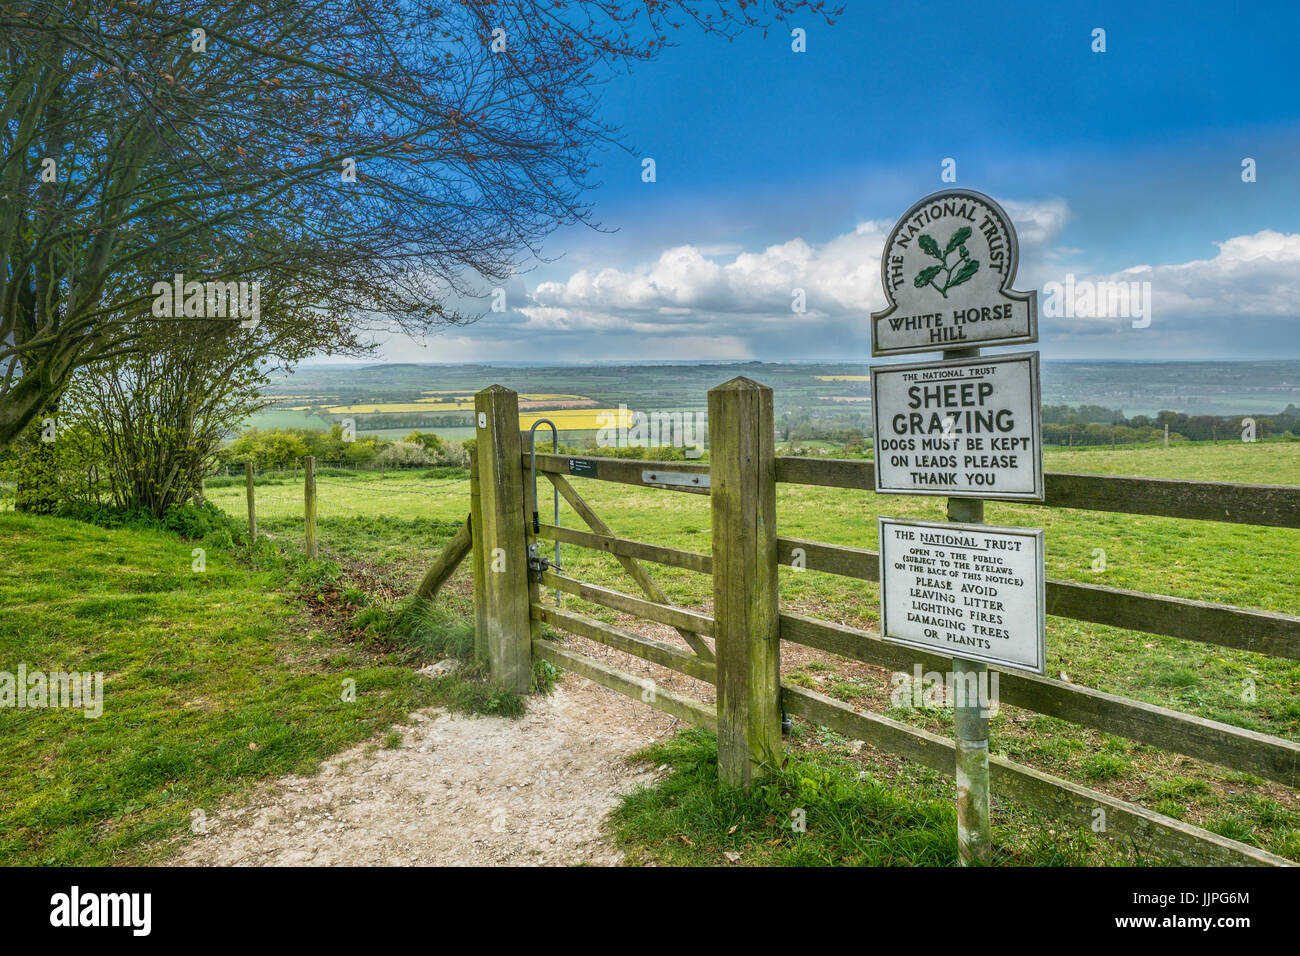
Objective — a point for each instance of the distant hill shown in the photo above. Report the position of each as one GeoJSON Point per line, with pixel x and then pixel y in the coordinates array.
{"type": "Point", "coordinates": [1136, 387]}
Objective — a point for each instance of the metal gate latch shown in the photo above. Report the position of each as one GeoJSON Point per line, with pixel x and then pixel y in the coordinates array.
{"type": "Point", "coordinates": [538, 562]}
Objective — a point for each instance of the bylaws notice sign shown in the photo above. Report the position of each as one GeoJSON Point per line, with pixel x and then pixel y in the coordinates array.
{"type": "Point", "coordinates": [969, 591]}
{"type": "Point", "coordinates": [968, 427]}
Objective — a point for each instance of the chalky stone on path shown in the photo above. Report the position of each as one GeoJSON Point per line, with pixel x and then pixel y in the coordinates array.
{"type": "Point", "coordinates": [460, 791]}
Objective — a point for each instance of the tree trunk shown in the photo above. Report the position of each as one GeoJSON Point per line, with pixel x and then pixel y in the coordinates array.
{"type": "Point", "coordinates": [22, 405]}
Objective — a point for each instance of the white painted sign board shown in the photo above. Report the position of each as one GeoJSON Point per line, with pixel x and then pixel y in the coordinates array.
{"type": "Point", "coordinates": [964, 590]}
{"type": "Point", "coordinates": [947, 270]}
{"type": "Point", "coordinates": [968, 427]}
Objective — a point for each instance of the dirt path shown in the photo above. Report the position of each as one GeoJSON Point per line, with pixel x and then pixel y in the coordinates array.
{"type": "Point", "coordinates": [459, 791]}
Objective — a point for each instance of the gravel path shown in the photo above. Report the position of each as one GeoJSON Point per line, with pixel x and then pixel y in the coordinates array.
{"type": "Point", "coordinates": [461, 790]}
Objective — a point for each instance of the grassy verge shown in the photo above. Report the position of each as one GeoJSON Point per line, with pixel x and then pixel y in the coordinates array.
{"type": "Point", "coordinates": [213, 680]}
{"type": "Point", "coordinates": [820, 809]}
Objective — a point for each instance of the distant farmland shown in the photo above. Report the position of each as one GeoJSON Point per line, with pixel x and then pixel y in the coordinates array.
{"type": "Point", "coordinates": [449, 413]}
{"type": "Point", "coordinates": [393, 400]}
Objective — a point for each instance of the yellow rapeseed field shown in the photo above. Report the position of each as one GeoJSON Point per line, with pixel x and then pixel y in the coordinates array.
{"type": "Point", "coordinates": [578, 419]}
{"type": "Point", "coordinates": [432, 404]}
{"type": "Point", "coordinates": [371, 408]}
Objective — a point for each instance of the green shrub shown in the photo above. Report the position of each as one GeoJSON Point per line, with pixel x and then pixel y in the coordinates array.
{"type": "Point", "coordinates": [193, 521]}
{"type": "Point", "coordinates": [205, 522]}
{"type": "Point", "coordinates": [404, 454]}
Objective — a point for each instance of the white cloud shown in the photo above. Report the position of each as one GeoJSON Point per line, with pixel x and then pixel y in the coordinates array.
{"type": "Point", "coordinates": [698, 302]}
{"type": "Point", "coordinates": [1256, 275]}
{"type": "Point", "coordinates": [748, 294]}
{"type": "Point", "coordinates": [1252, 277]}
{"type": "Point", "coordinates": [1038, 223]}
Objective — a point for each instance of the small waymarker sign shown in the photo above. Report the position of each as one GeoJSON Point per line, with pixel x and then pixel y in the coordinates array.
{"type": "Point", "coordinates": [581, 466]}
{"type": "Point", "coordinates": [969, 427]}
{"type": "Point", "coordinates": [947, 271]}
{"type": "Point", "coordinates": [970, 591]}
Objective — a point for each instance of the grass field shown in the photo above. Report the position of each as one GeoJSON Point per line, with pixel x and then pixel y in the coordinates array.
{"type": "Point", "coordinates": [280, 417]}
{"type": "Point", "coordinates": [220, 679]}
{"type": "Point", "coordinates": [397, 494]}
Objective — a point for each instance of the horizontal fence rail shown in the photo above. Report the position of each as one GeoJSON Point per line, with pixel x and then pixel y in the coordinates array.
{"type": "Point", "coordinates": [1041, 791]}
{"type": "Point", "coordinates": [671, 557]}
{"type": "Point", "coordinates": [1272, 758]}
{"type": "Point", "coordinates": [1246, 629]}
{"type": "Point", "coordinates": [646, 648]}
{"type": "Point", "coordinates": [668, 614]}
{"type": "Point", "coordinates": [1276, 506]}
{"type": "Point", "coordinates": [628, 471]}
{"type": "Point", "coordinates": [1223, 625]}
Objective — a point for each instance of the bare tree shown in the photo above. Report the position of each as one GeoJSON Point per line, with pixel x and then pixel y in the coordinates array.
{"type": "Point", "coordinates": [374, 155]}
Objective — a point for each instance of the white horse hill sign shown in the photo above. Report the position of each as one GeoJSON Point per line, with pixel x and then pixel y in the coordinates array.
{"type": "Point", "coordinates": [947, 271]}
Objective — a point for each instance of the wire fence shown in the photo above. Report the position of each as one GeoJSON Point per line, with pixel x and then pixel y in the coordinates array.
{"type": "Point", "coordinates": [342, 491]}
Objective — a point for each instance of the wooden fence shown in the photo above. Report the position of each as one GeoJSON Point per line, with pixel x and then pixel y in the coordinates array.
{"type": "Point", "coordinates": [312, 492]}
{"type": "Point", "coordinates": [748, 625]}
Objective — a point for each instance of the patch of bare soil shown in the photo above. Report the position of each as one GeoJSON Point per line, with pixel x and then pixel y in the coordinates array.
{"type": "Point", "coordinates": [460, 791]}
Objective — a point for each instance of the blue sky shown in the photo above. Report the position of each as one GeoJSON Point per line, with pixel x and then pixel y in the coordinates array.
{"type": "Point", "coordinates": [777, 169]}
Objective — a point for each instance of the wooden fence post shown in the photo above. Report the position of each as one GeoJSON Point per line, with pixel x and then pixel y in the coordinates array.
{"type": "Point", "coordinates": [505, 549]}
{"type": "Point", "coordinates": [742, 488]}
{"type": "Point", "coordinates": [252, 503]}
{"type": "Point", "coordinates": [309, 503]}
{"type": "Point", "coordinates": [477, 564]}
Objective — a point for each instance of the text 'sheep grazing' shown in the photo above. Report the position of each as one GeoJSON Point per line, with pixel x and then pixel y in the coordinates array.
{"type": "Point", "coordinates": [958, 427]}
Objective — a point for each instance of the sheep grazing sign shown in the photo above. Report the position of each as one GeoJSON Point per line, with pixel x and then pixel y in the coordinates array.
{"type": "Point", "coordinates": [947, 270]}
{"type": "Point", "coordinates": [969, 427]}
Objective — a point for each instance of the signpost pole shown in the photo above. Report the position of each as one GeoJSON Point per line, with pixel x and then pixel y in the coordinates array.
{"type": "Point", "coordinates": [971, 722]}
